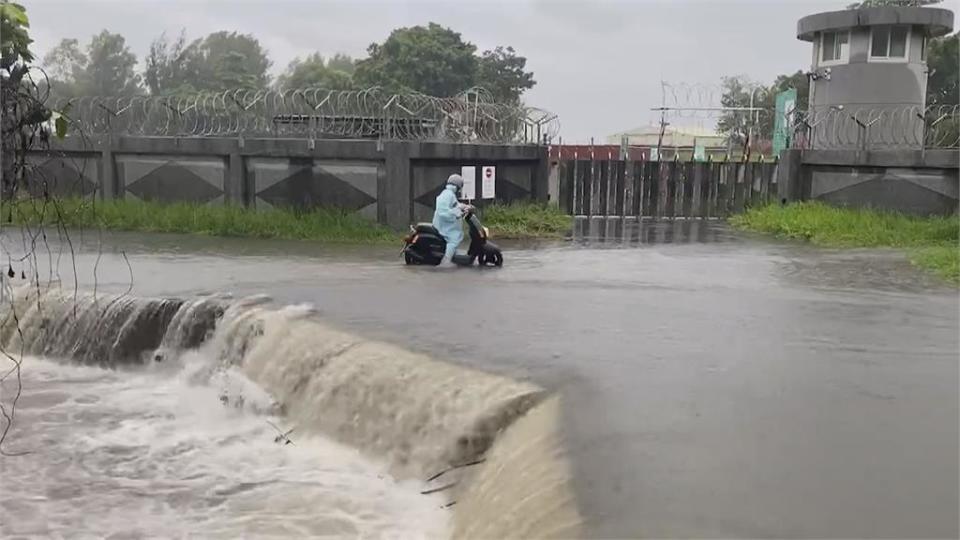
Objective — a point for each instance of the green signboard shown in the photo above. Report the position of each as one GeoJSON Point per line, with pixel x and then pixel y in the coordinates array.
{"type": "Point", "coordinates": [783, 122]}
{"type": "Point", "coordinates": [699, 150]}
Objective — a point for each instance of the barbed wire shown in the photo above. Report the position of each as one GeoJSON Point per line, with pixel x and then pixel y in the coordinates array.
{"type": "Point", "coordinates": [471, 116]}
{"type": "Point", "coordinates": [880, 128]}
{"type": "Point", "coordinates": [698, 101]}
{"type": "Point", "coordinates": [683, 94]}
{"type": "Point", "coordinates": [876, 128]}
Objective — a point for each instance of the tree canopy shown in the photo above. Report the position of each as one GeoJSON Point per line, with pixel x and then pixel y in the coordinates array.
{"type": "Point", "coordinates": [430, 59]}
{"type": "Point", "coordinates": [65, 65]}
{"type": "Point", "coordinates": [314, 71]}
{"type": "Point", "coordinates": [65, 61]}
{"type": "Point", "coordinates": [106, 66]}
{"type": "Point", "coordinates": [25, 114]}
{"type": "Point", "coordinates": [167, 68]}
{"type": "Point", "coordinates": [943, 82]}
{"type": "Point", "coordinates": [342, 62]}
{"type": "Point", "coordinates": [15, 39]}
{"type": "Point", "coordinates": [501, 71]}
{"type": "Point", "coordinates": [110, 68]}
{"type": "Point", "coordinates": [228, 60]}
{"type": "Point", "coordinates": [220, 61]}
{"type": "Point", "coordinates": [437, 61]}
{"type": "Point", "coordinates": [737, 93]}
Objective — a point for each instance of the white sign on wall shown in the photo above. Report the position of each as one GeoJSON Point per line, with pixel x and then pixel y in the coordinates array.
{"type": "Point", "coordinates": [489, 182]}
{"type": "Point", "coordinates": [469, 174]}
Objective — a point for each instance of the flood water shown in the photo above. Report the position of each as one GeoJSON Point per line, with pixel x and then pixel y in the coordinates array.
{"type": "Point", "coordinates": [715, 385]}
{"type": "Point", "coordinates": [146, 455]}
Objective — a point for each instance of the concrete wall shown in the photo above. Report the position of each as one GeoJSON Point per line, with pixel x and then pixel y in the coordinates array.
{"type": "Point", "coordinates": [392, 182]}
{"type": "Point", "coordinates": [916, 182]}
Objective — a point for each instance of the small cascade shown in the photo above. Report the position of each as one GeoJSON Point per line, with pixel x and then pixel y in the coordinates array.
{"type": "Point", "coordinates": [192, 325]}
{"type": "Point", "coordinates": [107, 331]}
{"type": "Point", "coordinates": [418, 414]}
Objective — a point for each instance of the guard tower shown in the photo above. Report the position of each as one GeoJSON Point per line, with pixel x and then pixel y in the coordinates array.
{"type": "Point", "coordinates": [869, 67]}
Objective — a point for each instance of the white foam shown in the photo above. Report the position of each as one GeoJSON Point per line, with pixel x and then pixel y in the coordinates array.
{"type": "Point", "coordinates": [153, 454]}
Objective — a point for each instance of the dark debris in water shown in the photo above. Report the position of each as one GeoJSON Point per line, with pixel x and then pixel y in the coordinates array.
{"type": "Point", "coordinates": [282, 436]}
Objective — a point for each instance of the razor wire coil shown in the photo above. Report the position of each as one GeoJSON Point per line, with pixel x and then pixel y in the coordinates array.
{"type": "Point", "coordinates": [471, 116]}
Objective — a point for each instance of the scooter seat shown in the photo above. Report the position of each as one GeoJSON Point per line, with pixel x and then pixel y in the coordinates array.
{"type": "Point", "coordinates": [426, 228]}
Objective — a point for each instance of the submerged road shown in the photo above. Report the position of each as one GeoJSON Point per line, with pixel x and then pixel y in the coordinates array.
{"type": "Point", "coordinates": [714, 385]}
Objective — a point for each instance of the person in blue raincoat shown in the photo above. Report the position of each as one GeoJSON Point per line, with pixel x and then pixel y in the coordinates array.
{"type": "Point", "coordinates": [447, 215]}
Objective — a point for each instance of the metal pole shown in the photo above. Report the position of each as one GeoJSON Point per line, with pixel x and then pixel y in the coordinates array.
{"type": "Point", "coordinates": [663, 128]}
{"type": "Point", "coordinates": [746, 150]}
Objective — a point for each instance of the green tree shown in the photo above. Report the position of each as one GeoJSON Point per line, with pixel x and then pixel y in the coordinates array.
{"type": "Point", "coordinates": [226, 60]}
{"type": "Point", "coordinates": [220, 61]}
{"type": "Point", "coordinates": [315, 72]}
{"type": "Point", "coordinates": [943, 90]}
{"type": "Point", "coordinates": [110, 68]}
{"type": "Point", "coordinates": [25, 115]}
{"type": "Point", "coordinates": [14, 37]}
{"type": "Point", "coordinates": [168, 66]}
{"type": "Point", "coordinates": [943, 82]}
{"type": "Point", "coordinates": [64, 64]}
{"type": "Point", "coordinates": [15, 57]}
{"type": "Point", "coordinates": [501, 71]}
{"type": "Point", "coordinates": [343, 63]}
{"type": "Point", "coordinates": [231, 71]}
{"type": "Point", "coordinates": [739, 92]}
{"type": "Point", "coordinates": [430, 59]}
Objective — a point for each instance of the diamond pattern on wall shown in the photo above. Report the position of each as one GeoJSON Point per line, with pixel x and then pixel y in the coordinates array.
{"type": "Point", "coordinates": [892, 193]}
{"type": "Point", "coordinates": [360, 176]}
{"type": "Point", "coordinates": [826, 182]}
{"type": "Point", "coordinates": [307, 189]}
{"type": "Point", "coordinates": [934, 180]}
{"type": "Point", "coordinates": [429, 199]}
{"type": "Point", "coordinates": [352, 188]}
{"type": "Point", "coordinates": [428, 179]}
{"type": "Point", "coordinates": [508, 191]}
{"type": "Point", "coordinates": [63, 176]}
{"type": "Point", "coordinates": [172, 182]}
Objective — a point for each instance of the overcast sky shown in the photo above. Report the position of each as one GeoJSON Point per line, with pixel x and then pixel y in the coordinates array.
{"type": "Point", "coordinates": [598, 64]}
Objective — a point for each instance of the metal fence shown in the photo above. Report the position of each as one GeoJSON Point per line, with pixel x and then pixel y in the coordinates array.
{"type": "Point", "coordinates": [887, 128]}
{"type": "Point", "coordinates": [316, 113]}
{"type": "Point", "coordinates": [665, 190]}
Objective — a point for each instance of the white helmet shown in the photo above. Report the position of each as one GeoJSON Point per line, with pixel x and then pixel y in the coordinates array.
{"type": "Point", "coordinates": [455, 180]}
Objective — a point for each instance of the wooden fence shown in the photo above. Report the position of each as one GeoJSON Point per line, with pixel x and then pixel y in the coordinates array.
{"type": "Point", "coordinates": [665, 190]}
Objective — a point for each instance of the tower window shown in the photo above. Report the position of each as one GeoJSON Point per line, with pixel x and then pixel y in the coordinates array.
{"type": "Point", "coordinates": [889, 42]}
{"type": "Point", "coordinates": [834, 47]}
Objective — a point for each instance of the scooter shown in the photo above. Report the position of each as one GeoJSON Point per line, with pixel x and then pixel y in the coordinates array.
{"type": "Point", "coordinates": [426, 246]}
